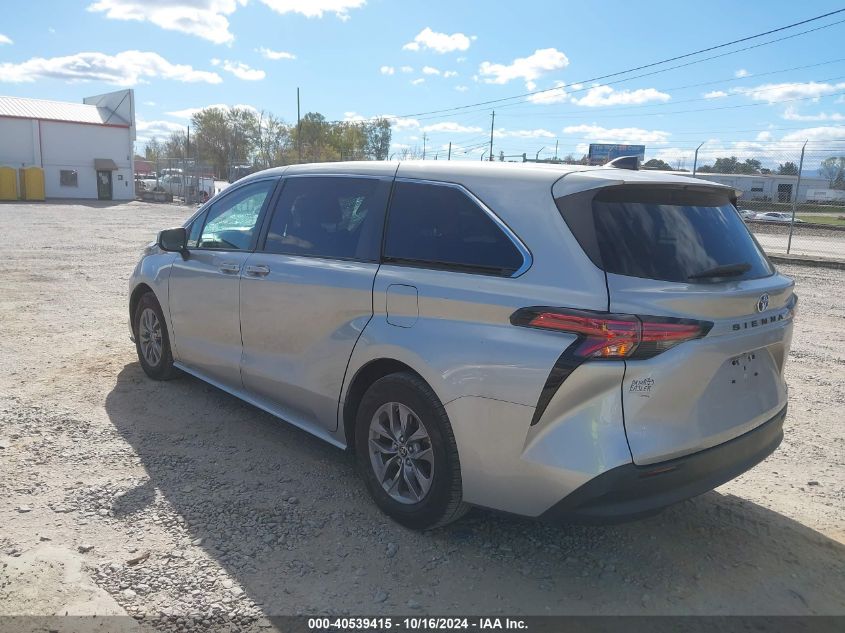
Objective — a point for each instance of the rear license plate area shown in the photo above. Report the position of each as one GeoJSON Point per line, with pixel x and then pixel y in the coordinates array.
{"type": "Point", "coordinates": [743, 371]}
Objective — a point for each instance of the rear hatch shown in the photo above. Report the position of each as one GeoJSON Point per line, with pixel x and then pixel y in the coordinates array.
{"type": "Point", "coordinates": [679, 256]}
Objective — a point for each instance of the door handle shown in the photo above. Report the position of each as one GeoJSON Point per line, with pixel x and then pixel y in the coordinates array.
{"type": "Point", "coordinates": [229, 268]}
{"type": "Point", "coordinates": [258, 271]}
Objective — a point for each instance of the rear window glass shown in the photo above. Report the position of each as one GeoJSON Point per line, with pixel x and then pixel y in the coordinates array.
{"type": "Point", "coordinates": [669, 235]}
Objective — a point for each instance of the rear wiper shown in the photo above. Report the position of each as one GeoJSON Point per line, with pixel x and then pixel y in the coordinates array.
{"type": "Point", "coordinates": [727, 270]}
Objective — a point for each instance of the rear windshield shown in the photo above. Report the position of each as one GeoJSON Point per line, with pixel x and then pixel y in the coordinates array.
{"type": "Point", "coordinates": [668, 234]}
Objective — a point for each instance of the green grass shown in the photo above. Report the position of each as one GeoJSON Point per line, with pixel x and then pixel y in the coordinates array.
{"type": "Point", "coordinates": [785, 207]}
{"type": "Point", "coordinates": [822, 219]}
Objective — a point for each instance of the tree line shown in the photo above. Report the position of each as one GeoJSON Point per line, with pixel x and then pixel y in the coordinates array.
{"type": "Point", "coordinates": [833, 168]}
{"type": "Point", "coordinates": [225, 138]}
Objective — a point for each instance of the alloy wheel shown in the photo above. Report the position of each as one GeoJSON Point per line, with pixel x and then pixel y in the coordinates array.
{"type": "Point", "coordinates": [149, 335]}
{"type": "Point", "coordinates": [401, 453]}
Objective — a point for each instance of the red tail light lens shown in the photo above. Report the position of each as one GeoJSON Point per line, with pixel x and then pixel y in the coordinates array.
{"type": "Point", "coordinates": [613, 336]}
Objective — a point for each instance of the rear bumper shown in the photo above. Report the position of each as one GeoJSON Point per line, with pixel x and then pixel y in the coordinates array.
{"type": "Point", "coordinates": [630, 491]}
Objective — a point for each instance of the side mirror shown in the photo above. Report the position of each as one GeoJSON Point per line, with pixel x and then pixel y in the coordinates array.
{"type": "Point", "coordinates": [174, 241]}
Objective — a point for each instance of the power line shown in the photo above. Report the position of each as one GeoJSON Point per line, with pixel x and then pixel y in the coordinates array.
{"type": "Point", "coordinates": [584, 89]}
{"type": "Point", "coordinates": [738, 93]}
{"type": "Point", "coordinates": [644, 66]}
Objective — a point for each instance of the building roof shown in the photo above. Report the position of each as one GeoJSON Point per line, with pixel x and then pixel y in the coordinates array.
{"type": "Point", "coordinates": [25, 108]}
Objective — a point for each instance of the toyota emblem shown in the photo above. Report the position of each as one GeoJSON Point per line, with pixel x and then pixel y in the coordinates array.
{"type": "Point", "coordinates": [763, 303]}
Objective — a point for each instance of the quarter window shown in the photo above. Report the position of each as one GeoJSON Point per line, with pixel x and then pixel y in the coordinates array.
{"type": "Point", "coordinates": [231, 223]}
{"type": "Point", "coordinates": [329, 216]}
{"type": "Point", "coordinates": [440, 226]}
{"type": "Point", "coordinates": [195, 229]}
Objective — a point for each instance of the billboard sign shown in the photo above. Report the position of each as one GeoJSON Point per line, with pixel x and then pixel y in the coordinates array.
{"type": "Point", "coordinates": [600, 153]}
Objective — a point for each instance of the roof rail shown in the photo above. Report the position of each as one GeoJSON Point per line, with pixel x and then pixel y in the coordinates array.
{"type": "Point", "coordinates": [625, 162]}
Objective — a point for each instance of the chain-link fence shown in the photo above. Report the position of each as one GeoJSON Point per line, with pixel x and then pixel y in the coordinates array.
{"type": "Point", "coordinates": [792, 195]}
{"type": "Point", "coordinates": [176, 179]}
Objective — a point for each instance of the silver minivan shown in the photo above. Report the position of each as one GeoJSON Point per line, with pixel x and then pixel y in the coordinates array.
{"type": "Point", "coordinates": [571, 343]}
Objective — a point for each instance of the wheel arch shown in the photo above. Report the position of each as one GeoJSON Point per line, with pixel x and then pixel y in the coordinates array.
{"type": "Point", "coordinates": [363, 380]}
{"type": "Point", "coordinates": [139, 291]}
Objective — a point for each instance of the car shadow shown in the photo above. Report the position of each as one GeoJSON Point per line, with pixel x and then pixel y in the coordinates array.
{"type": "Point", "coordinates": [286, 517]}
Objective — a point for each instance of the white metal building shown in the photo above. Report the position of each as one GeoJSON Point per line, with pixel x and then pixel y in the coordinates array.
{"type": "Point", "coordinates": [85, 149]}
{"type": "Point", "coordinates": [769, 187]}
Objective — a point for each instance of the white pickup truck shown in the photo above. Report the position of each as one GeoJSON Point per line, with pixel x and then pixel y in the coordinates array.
{"type": "Point", "coordinates": [200, 187]}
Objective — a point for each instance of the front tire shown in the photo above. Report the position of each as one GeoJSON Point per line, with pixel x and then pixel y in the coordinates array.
{"type": "Point", "coordinates": [151, 340]}
{"type": "Point", "coordinates": [406, 453]}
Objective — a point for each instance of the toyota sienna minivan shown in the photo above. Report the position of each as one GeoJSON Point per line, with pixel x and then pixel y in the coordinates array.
{"type": "Point", "coordinates": [571, 343]}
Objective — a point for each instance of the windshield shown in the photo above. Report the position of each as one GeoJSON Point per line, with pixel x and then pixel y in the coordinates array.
{"type": "Point", "coordinates": [672, 234]}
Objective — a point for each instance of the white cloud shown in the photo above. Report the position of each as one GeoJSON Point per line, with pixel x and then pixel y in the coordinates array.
{"type": "Point", "coordinates": [555, 95]}
{"type": "Point", "coordinates": [606, 96]}
{"type": "Point", "coordinates": [438, 42]}
{"type": "Point", "coordinates": [764, 136]}
{"type": "Point", "coordinates": [430, 70]}
{"type": "Point", "coordinates": [387, 70]}
{"type": "Point", "coordinates": [407, 69]}
{"type": "Point", "coordinates": [403, 123]}
{"type": "Point", "coordinates": [715, 94]}
{"type": "Point", "coordinates": [773, 93]}
{"type": "Point", "coordinates": [461, 88]}
{"type": "Point", "coordinates": [417, 82]}
{"type": "Point", "coordinates": [187, 113]}
{"type": "Point", "coordinates": [203, 18]}
{"type": "Point", "coordinates": [398, 123]}
{"type": "Point", "coordinates": [450, 73]}
{"type": "Point", "coordinates": [527, 68]}
{"type": "Point", "coordinates": [241, 70]}
{"type": "Point", "coordinates": [791, 114]}
{"type": "Point", "coordinates": [268, 53]}
{"type": "Point", "coordinates": [315, 8]}
{"type": "Point", "coordinates": [741, 73]}
{"type": "Point", "coordinates": [600, 134]}
{"type": "Point", "coordinates": [148, 129]}
{"type": "Point", "coordinates": [824, 133]}
{"type": "Point", "coordinates": [5, 39]}
{"type": "Point", "coordinates": [149, 103]}
{"type": "Point", "coordinates": [451, 126]}
{"type": "Point", "coordinates": [538, 133]}
{"type": "Point", "coordinates": [123, 69]}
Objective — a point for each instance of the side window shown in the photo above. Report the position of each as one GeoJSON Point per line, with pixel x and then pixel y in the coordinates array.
{"type": "Point", "coordinates": [329, 216]}
{"type": "Point", "coordinates": [231, 222]}
{"type": "Point", "coordinates": [440, 226]}
{"type": "Point", "coordinates": [194, 229]}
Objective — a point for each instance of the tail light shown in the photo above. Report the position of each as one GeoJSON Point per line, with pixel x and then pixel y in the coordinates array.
{"type": "Point", "coordinates": [602, 335]}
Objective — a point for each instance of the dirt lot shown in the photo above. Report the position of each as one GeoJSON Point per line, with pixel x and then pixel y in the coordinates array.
{"type": "Point", "coordinates": [235, 516]}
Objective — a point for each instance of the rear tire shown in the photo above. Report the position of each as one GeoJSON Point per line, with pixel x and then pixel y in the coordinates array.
{"type": "Point", "coordinates": [406, 453]}
{"type": "Point", "coordinates": [151, 340]}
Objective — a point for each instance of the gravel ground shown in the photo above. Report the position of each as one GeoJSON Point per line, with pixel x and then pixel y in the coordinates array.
{"type": "Point", "coordinates": [185, 507]}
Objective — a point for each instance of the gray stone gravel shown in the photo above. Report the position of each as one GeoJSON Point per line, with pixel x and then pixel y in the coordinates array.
{"type": "Point", "coordinates": [193, 510]}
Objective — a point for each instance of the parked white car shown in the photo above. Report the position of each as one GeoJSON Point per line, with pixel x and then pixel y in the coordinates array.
{"type": "Point", "coordinates": [178, 185]}
{"type": "Point", "coordinates": [776, 216]}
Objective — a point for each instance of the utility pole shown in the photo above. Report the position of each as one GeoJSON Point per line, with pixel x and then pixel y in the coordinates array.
{"type": "Point", "coordinates": [492, 123]}
{"type": "Point", "coordinates": [449, 155]}
{"type": "Point", "coordinates": [795, 199]}
{"type": "Point", "coordinates": [556, 142]}
{"type": "Point", "coordinates": [424, 138]}
{"type": "Point", "coordinates": [298, 128]}
{"type": "Point", "coordinates": [695, 160]}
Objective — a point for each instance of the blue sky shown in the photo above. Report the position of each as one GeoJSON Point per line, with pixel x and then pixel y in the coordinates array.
{"type": "Point", "coordinates": [363, 58]}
